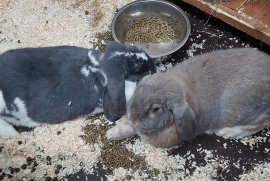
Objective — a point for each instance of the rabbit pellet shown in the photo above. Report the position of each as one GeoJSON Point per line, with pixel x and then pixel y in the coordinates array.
{"type": "Point", "coordinates": [152, 29]}
{"type": "Point", "coordinates": [115, 154]}
{"type": "Point", "coordinates": [101, 39]}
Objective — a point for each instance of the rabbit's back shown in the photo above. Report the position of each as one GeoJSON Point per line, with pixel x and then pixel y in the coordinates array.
{"type": "Point", "coordinates": [51, 80]}
{"type": "Point", "coordinates": [232, 86]}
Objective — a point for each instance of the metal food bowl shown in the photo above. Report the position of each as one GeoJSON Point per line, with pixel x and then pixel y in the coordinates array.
{"type": "Point", "coordinates": [164, 10]}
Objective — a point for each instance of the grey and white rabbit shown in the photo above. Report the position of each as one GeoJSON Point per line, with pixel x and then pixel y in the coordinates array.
{"type": "Point", "coordinates": [225, 92]}
{"type": "Point", "coordinates": [55, 84]}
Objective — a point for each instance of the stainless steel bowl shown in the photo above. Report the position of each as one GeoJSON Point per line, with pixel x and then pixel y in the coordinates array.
{"type": "Point", "coordinates": [164, 10]}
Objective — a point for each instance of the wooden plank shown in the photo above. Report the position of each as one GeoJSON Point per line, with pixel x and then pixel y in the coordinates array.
{"type": "Point", "coordinates": [253, 9]}
{"type": "Point", "coordinates": [264, 16]}
{"type": "Point", "coordinates": [247, 25]}
{"type": "Point", "coordinates": [233, 4]}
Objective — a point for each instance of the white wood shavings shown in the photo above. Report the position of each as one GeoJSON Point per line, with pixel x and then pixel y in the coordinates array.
{"type": "Point", "coordinates": [38, 23]}
{"type": "Point", "coordinates": [266, 150]}
{"type": "Point", "coordinates": [259, 172]}
{"type": "Point", "coordinates": [164, 67]}
{"type": "Point", "coordinates": [194, 47]}
{"type": "Point", "coordinates": [203, 173]}
{"type": "Point", "coordinates": [252, 141]}
{"type": "Point", "coordinates": [61, 142]}
{"type": "Point", "coordinates": [118, 174]}
{"type": "Point", "coordinates": [156, 157]}
{"type": "Point", "coordinates": [175, 165]}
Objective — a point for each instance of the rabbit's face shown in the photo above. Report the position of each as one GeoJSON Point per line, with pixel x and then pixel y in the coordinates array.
{"type": "Point", "coordinates": [147, 113]}
{"type": "Point", "coordinates": [152, 118]}
{"type": "Point", "coordinates": [148, 109]}
{"type": "Point", "coordinates": [160, 113]}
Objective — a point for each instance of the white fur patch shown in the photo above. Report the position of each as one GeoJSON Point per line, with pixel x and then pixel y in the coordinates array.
{"type": "Point", "coordinates": [93, 69]}
{"type": "Point", "coordinates": [237, 132]}
{"type": "Point", "coordinates": [3, 106]}
{"type": "Point", "coordinates": [97, 110]}
{"type": "Point", "coordinates": [96, 88]}
{"type": "Point", "coordinates": [85, 71]}
{"type": "Point", "coordinates": [6, 130]}
{"type": "Point", "coordinates": [141, 55]}
{"type": "Point", "coordinates": [105, 78]}
{"type": "Point", "coordinates": [20, 115]}
{"type": "Point", "coordinates": [93, 58]}
{"type": "Point", "coordinates": [129, 89]}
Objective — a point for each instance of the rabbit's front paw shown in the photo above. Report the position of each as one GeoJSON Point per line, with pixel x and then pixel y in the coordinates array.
{"type": "Point", "coordinates": [120, 131]}
{"type": "Point", "coordinates": [7, 130]}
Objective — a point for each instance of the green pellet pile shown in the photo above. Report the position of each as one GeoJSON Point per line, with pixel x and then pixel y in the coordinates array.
{"type": "Point", "coordinates": [114, 154]}
{"type": "Point", "coordinates": [101, 39]}
{"type": "Point", "coordinates": [151, 29]}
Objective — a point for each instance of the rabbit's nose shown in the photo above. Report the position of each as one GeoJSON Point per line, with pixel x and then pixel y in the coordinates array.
{"type": "Point", "coordinates": [135, 122]}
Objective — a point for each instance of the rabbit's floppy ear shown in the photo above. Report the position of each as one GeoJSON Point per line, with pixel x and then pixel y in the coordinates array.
{"type": "Point", "coordinates": [114, 100]}
{"type": "Point", "coordinates": [95, 57]}
{"type": "Point", "coordinates": [185, 121]}
{"type": "Point", "coordinates": [114, 46]}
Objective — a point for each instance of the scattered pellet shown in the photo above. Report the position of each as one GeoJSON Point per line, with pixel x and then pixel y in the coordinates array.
{"type": "Point", "coordinates": [101, 40]}
{"type": "Point", "coordinates": [11, 170]}
{"type": "Point", "coordinates": [17, 169]}
{"type": "Point", "coordinates": [56, 171]}
{"type": "Point", "coordinates": [33, 169]}
{"type": "Point", "coordinates": [128, 177]}
{"type": "Point", "coordinates": [115, 154]}
{"type": "Point", "coordinates": [35, 164]}
{"type": "Point", "coordinates": [29, 159]}
{"type": "Point", "coordinates": [170, 152]}
{"type": "Point", "coordinates": [219, 169]}
{"type": "Point", "coordinates": [24, 166]}
{"type": "Point", "coordinates": [59, 166]}
{"type": "Point", "coordinates": [48, 178]}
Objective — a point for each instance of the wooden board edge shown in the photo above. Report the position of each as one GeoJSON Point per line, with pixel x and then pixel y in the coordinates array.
{"type": "Point", "coordinates": [234, 19]}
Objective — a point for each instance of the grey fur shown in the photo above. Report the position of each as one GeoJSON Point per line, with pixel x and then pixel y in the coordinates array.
{"type": "Point", "coordinates": [225, 92]}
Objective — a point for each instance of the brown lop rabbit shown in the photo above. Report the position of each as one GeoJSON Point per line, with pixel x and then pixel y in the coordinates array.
{"type": "Point", "coordinates": [224, 92]}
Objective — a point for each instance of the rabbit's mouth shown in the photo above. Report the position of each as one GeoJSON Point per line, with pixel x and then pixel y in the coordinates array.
{"type": "Point", "coordinates": [165, 138]}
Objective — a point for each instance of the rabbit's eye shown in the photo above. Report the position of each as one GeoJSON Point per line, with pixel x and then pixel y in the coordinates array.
{"type": "Point", "coordinates": [156, 109]}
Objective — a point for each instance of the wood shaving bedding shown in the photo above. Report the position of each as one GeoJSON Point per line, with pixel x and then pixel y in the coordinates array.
{"type": "Point", "coordinates": [56, 151]}
{"type": "Point", "coordinates": [39, 23]}
{"type": "Point", "coordinates": [259, 172]}
{"type": "Point", "coordinates": [49, 146]}
{"type": "Point", "coordinates": [255, 140]}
